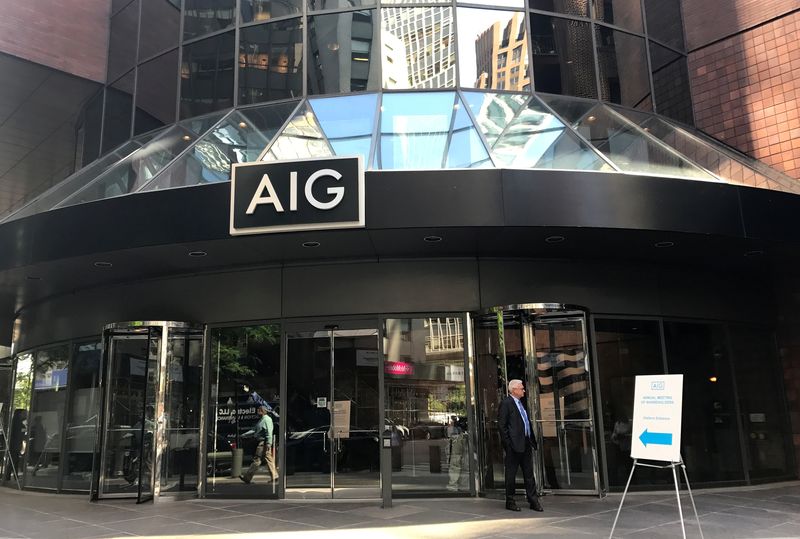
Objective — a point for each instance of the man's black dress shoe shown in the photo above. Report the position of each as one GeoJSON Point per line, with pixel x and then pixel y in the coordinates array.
{"type": "Point", "coordinates": [536, 505]}
{"type": "Point", "coordinates": [511, 506]}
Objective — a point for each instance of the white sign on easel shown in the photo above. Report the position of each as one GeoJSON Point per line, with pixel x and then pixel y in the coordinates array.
{"type": "Point", "coordinates": [657, 410]}
{"type": "Point", "coordinates": [656, 431]}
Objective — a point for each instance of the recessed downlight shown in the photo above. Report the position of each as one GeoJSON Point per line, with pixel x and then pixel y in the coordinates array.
{"type": "Point", "coordinates": [664, 244]}
{"type": "Point", "coordinates": [432, 239]}
{"type": "Point", "coordinates": [554, 239]}
{"type": "Point", "coordinates": [101, 264]}
{"type": "Point", "coordinates": [187, 138]}
{"type": "Point", "coordinates": [754, 253]}
{"type": "Point", "coordinates": [34, 278]}
{"type": "Point", "coordinates": [242, 125]}
{"type": "Point", "coordinates": [311, 244]}
{"type": "Point", "coordinates": [197, 254]}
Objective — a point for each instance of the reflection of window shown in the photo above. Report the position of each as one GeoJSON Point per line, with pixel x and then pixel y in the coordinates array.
{"type": "Point", "coordinates": [517, 54]}
{"type": "Point", "coordinates": [501, 59]}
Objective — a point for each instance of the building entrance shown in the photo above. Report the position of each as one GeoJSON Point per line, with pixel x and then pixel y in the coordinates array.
{"type": "Point", "coordinates": [545, 346]}
{"type": "Point", "coordinates": [150, 414]}
{"type": "Point", "coordinates": [333, 381]}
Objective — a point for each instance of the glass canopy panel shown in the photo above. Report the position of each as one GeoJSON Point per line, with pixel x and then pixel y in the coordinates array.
{"type": "Point", "coordinates": [76, 181]}
{"type": "Point", "coordinates": [302, 138]}
{"type": "Point", "coordinates": [622, 142]}
{"type": "Point", "coordinates": [466, 149]}
{"type": "Point", "coordinates": [344, 51]}
{"type": "Point", "coordinates": [671, 83]}
{"type": "Point", "coordinates": [418, 48]}
{"type": "Point", "coordinates": [536, 138]}
{"type": "Point", "coordinates": [414, 129]}
{"type": "Point", "coordinates": [271, 61]}
{"type": "Point", "coordinates": [563, 56]}
{"type": "Point", "coordinates": [131, 173]}
{"type": "Point", "coordinates": [347, 122]}
{"type": "Point", "coordinates": [622, 61]}
{"type": "Point", "coordinates": [234, 140]}
{"type": "Point", "coordinates": [493, 49]}
{"type": "Point", "coordinates": [623, 13]}
{"type": "Point", "coordinates": [263, 10]}
{"type": "Point", "coordinates": [493, 112]}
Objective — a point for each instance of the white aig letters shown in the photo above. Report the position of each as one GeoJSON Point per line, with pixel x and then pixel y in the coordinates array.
{"type": "Point", "coordinates": [285, 196]}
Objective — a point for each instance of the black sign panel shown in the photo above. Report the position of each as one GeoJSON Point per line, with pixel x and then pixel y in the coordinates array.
{"type": "Point", "coordinates": [297, 195]}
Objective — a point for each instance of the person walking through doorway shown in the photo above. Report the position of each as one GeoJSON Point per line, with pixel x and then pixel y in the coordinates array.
{"type": "Point", "coordinates": [516, 433]}
{"type": "Point", "coordinates": [263, 453]}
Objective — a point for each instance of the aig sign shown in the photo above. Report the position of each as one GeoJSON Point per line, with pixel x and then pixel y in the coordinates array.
{"type": "Point", "coordinates": [288, 196]}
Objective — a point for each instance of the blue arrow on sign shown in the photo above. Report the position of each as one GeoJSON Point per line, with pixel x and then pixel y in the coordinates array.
{"type": "Point", "coordinates": [656, 438]}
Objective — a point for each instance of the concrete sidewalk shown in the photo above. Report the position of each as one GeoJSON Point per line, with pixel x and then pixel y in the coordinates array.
{"type": "Point", "coordinates": [764, 511]}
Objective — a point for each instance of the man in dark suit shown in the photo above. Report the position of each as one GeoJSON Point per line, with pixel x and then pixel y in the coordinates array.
{"type": "Point", "coordinates": [516, 432]}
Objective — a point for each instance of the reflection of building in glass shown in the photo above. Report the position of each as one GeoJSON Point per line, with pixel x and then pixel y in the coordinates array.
{"type": "Point", "coordinates": [501, 56]}
{"type": "Point", "coordinates": [341, 49]}
{"type": "Point", "coordinates": [430, 51]}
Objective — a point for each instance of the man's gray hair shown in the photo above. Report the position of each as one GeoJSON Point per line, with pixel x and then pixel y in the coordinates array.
{"type": "Point", "coordinates": [513, 383]}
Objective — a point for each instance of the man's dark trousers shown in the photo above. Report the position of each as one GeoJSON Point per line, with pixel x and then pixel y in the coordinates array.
{"type": "Point", "coordinates": [513, 461]}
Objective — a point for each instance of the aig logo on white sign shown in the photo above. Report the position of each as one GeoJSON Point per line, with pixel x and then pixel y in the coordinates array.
{"type": "Point", "coordinates": [297, 195]}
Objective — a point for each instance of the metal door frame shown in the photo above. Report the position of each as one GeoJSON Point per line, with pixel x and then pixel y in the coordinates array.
{"type": "Point", "coordinates": [331, 327]}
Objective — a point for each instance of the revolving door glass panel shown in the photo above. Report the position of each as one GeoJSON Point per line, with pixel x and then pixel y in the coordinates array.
{"type": "Point", "coordinates": [566, 427]}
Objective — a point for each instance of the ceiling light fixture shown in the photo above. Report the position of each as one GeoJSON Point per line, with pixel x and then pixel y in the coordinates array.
{"type": "Point", "coordinates": [34, 278]}
{"type": "Point", "coordinates": [197, 254]}
{"type": "Point", "coordinates": [663, 244]}
{"type": "Point", "coordinates": [187, 138]}
{"type": "Point", "coordinates": [432, 239]}
{"type": "Point", "coordinates": [554, 239]}
{"type": "Point", "coordinates": [103, 264]}
{"type": "Point", "coordinates": [242, 125]}
{"type": "Point", "coordinates": [591, 119]}
{"type": "Point", "coordinates": [311, 244]}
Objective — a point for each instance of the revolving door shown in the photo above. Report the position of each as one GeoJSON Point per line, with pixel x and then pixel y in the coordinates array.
{"type": "Point", "coordinates": [148, 442]}
{"type": "Point", "coordinates": [545, 346]}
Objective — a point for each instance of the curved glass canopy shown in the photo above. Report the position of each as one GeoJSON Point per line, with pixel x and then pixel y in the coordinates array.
{"type": "Point", "coordinates": [413, 131]}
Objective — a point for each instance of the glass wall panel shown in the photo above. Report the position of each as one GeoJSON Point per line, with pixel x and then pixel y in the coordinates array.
{"type": "Point", "coordinates": [563, 62]}
{"type": "Point", "coordinates": [301, 138]}
{"type": "Point", "coordinates": [761, 401]}
{"type": "Point", "coordinates": [426, 403]}
{"type": "Point", "coordinates": [537, 138]}
{"type": "Point", "coordinates": [414, 130]}
{"type": "Point", "coordinates": [465, 148]}
{"type": "Point", "coordinates": [622, 61]}
{"type": "Point", "coordinates": [207, 75]}
{"type": "Point", "coordinates": [137, 169]}
{"type": "Point", "coordinates": [568, 7]}
{"type": "Point", "coordinates": [624, 13]}
{"type": "Point", "coordinates": [18, 419]}
{"type": "Point", "coordinates": [495, 3]}
{"type": "Point", "coordinates": [122, 41]}
{"type": "Point", "coordinates": [271, 61]}
{"type": "Point", "coordinates": [626, 146]}
{"type": "Point", "coordinates": [156, 93]}
{"type": "Point", "coordinates": [236, 139]}
{"type": "Point", "coordinates": [201, 17]}
{"type": "Point", "coordinates": [263, 10]}
{"type": "Point", "coordinates": [46, 418]}
{"type": "Point", "coordinates": [118, 113]}
{"type": "Point", "coordinates": [6, 381]}
{"type": "Point", "coordinates": [664, 22]}
{"type": "Point", "coordinates": [343, 49]}
{"type": "Point", "coordinates": [318, 5]}
{"type": "Point", "coordinates": [180, 463]}
{"type": "Point", "coordinates": [83, 409]}
{"type": "Point", "coordinates": [710, 433]}
{"type": "Point", "coordinates": [347, 122]}
{"type": "Point", "coordinates": [160, 28]}
{"type": "Point", "coordinates": [418, 47]}
{"type": "Point", "coordinates": [671, 84]}
{"type": "Point", "coordinates": [90, 123]}
{"type": "Point", "coordinates": [493, 49]}
{"type": "Point", "coordinates": [625, 349]}
{"type": "Point", "coordinates": [245, 372]}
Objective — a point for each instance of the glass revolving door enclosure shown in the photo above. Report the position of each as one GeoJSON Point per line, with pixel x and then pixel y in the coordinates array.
{"type": "Point", "coordinates": [545, 346]}
{"type": "Point", "coordinates": [148, 443]}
